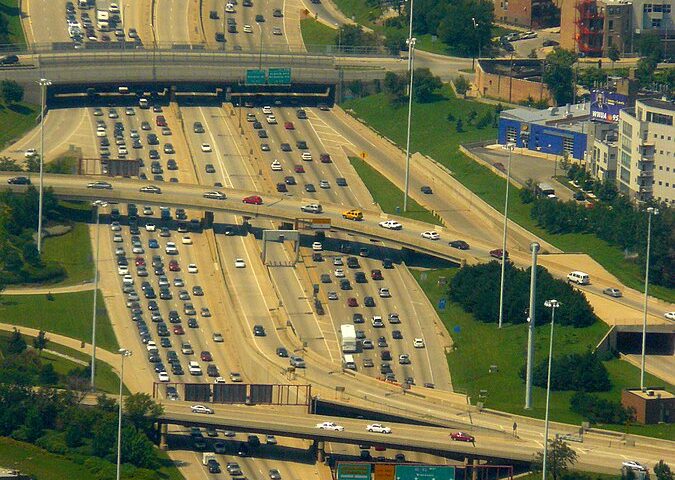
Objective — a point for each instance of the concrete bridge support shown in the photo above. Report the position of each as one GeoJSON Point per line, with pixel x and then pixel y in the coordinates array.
{"type": "Point", "coordinates": [320, 448]}
{"type": "Point", "coordinates": [163, 434]}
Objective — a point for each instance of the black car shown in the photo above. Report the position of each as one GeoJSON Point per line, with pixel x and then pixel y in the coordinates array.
{"type": "Point", "coordinates": [213, 15]}
{"type": "Point", "coordinates": [220, 37]}
{"type": "Point", "coordinates": [281, 187]}
{"type": "Point", "coordinates": [301, 144]}
{"type": "Point", "coordinates": [396, 335]}
{"type": "Point", "coordinates": [289, 180]}
{"type": "Point", "coordinates": [459, 244]}
{"type": "Point", "coordinates": [426, 189]}
{"type": "Point", "coordinates": [212, 370]}
{"type": "Point", "coordinates": [213, 466]}
{"type": "Point", "coordinates": [341, 182]}
{"type": "Point", "coordinates": [257, 125]}
{"type": "Point", "coordinates": [360, 277]}
{"type": "Point", "coordinates": [282, 352]}
{"type": "Point", "coordinates": [369, 301]}
{"type": "Point", "coordinates": [358, 318]}
{"type": "Point", "coordinates": [353, 262]}
{"type": "Point", "coordinates": [197, 127]}
{"type": "Point", "coordinates": [9, 59]}
{"type": "Point", "coordinates": [262, 133]}
{"type": "Point", "coordinates": [345, 285]}
{"type": "Point", "coordinates": [153, 154]}
{"type": "Point", "coordinates": [258, 330]}
{"type": "Point", "coordinates": [259, 18]}
{"type": "Point", "coordinates": [232, 29]}
{"type": "Point", "coordinates": [210, 168]}
{"type": "Point", "coordinates": [310, 188]}
{"type": "Point", "coordinates": [285, 147]}
{"type": "Point", "coordinates": [19, 181]}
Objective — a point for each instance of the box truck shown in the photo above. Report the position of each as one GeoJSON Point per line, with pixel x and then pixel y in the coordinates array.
{"type": "Point", "coordinates": [348, 338]}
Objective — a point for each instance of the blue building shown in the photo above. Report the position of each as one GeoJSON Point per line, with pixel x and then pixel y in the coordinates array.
{"type": "Point", "coordinates": [555, 130]}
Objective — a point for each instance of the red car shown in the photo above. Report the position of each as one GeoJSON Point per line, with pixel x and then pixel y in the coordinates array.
{"type": "Point", "coordinates": [206, 356]}
{"type": "Point", "coordinates": [173, 266]}
{"type": "Point", "coordinates": [160, 121]}
{"type": "Point", "coordinates": [178, 330]}
{"type": "Point", "coordinates": [376, 274]}
{"type": "Point", "coordinates": [497, 253]}
{"type": "Point", "coordinates": [462, 437]}
{"type": "Point", "coordinates": [299, 169]}
{"type": "Point", "coordinates": [253, 200]}
{"type": "Point", "coordinates": [140, 262]}
{"type": "Point", "coordinates": [352, 302]}
{"type": "Point", "coordinates": [325, 158]}
{"type": "Point", "coordinates": [289, 126]}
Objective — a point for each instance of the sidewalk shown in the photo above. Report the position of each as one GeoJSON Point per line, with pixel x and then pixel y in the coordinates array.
{"type": "Point", "coordinates": [40, 290]}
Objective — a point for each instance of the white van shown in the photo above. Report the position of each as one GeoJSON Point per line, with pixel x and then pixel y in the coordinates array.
{"type": "Point", "coordinates": [348, 362]}
{"type": "Point", "coordinates": [229, 8]}
{"type": "Point", "coordinates": [194, 368]}
{"type": "Point", "coordinates": [580, 278]}
{"type": "Point", "coordinates": [123, 90]}
{"type": "Point", "coordinates": [143, 103]}
{"type": "Point", "coordinates": [102, 15]}
{"type": "Point", "coordinates": [102, 26]}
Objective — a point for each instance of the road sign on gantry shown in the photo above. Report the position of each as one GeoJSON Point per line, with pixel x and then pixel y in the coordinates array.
{"type": "Point", "coordinates": [279, 76]}
{"type": "Point", "coordinates": [255, 77]}
{"type": "Point", "coordinates": [353, 471]}
{"type": "Point", "coordinates": [419, 472]}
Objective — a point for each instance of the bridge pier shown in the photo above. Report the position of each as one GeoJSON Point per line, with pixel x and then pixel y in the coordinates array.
{"type": "Point", "coordinates": [163, 434]}
{"type": "Point", "coordinates": [320, 448]}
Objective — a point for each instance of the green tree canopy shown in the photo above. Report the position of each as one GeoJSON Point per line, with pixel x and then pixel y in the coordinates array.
{"type": "Point", "coordinates": [559, 459]}
{"type": "Point", "coordinates": [11, 91]}
{"type": "Point", "coordinates": [425, 84]}
{"type": "Point", "coordinates": [559, 76]}
{"type": "Point", "coordinates": [457, 26]}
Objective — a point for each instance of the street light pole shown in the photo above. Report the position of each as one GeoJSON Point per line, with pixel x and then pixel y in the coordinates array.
{"type": "Point", "coordinates": [98, 204]}
{"type": "Point", "coordinates": [124, 353]}
{"type": "Point", "coordinates": [411, 61]}
{"type": "Point", "coordinates": [552, 304]}
{"type": "Point", "coordinates": [44, 83]}
{"type": "Point", "coordinates": [475, 31]}
{"type": "Point", "coordinates": [650, 211]}
{"type": "Point", "coordinates": [510, 147]}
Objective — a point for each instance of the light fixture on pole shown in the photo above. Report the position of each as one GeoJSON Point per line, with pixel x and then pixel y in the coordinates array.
{"type": "Point", "coordinates": [124, 353]}
{"type": "Point", "coordinates": [98, 204]}
{"type": "Point", "coordinates": [475, 32]}
{"type": "Point", "coordinates": [650, 211]}
{"type": "Point", "coordinates": [509, 146]}
{"type": "Point", "coordinates": [44, 83]}
{"type": "Point", "coordinates": [552, 304]}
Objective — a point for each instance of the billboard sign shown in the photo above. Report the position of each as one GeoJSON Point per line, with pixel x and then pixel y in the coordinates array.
{"type": "Point", "coordinates": [279, 76]}
{"type": "Point", "coordinates": [255, 77]}
{"type": "Point", "coordinates": [423, 472]}
{"type": "Point", "coordinates": [605, 106]}
{"type": "Point", "coordinates": [353, 471]}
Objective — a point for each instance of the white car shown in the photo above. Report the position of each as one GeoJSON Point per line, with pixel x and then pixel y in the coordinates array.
{"type": "Point", "coordinates": [330, 426]}
{"type": "Point", "coordinates": [391, 225]}
{"type": "Point", "coordinates": [218, 337]}
{"type": "Point", "coordinates": [31, 152]}
{"type": "Point", "coordinates": [248, 29]}
{"type": "Point", "coordinates": [151, 346]}
{"type": "Point", "coordinates": [418, 343]}
{"type": "Point", "coordinates": [163, 377]}
{"type": "Point", "coordinates": [215, 195]}
{"type": "Point", "coordinates": [276, 166]}
{"type": "Point", "coordinates": [192, 268]}
{"type": "Point", "coordinates": [122, 270]}
{"type": "Point", "coordinates": [115, 226]}
{"type": "Point", "coordinates": [271, 119]}
{"type": "Point", "coordinates": [384, 293]}
{"type": "Point", "coordinates": [312, 208]}
{"type": "Point", "coordinates": [187, 240]}
{"type": "Point", "coordinates": [276, 31]}
{"type": "Point", "coordinates": [117, 238]}
{"type": "Point", "coordinates": [306, 156]}
{"type": "Point", "coordinates": [150, 227]}
{"type": "Point", "coordinates": [669, 315]}
{"type": "Point", "coordinates": [219, 380]}
{"type": "Point", "coordinates": [633, 465]}
{"type": "Point", "coordinates": [100, 132]}
{"type": "Point", "coordinates": [317, 246]}
{"type": "Point", "coordinates": [239, 263]}
{"type": "Point", "coordinates": [114, 8]}
{"type": "Point", "coordinates": [128, 280]}
{"type": "Point", "coordinates": [339, 273]}
{"type": "Point", "coordinates": [430, 235]}
{"type": "Point", "coordinates": [378, 428]}
{"type": "Point", "coordinates": [206, 147]}
{"type": "Point", "coordinates": [267, 110]}
{"type": "Point", "coordinates": [171, 248]}
{"type": "Point", "coordinates": [201, 409]}
{"type": "Point", "coordinates": [235, 377]}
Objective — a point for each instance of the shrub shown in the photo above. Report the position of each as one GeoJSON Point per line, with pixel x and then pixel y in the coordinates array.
{"type": "Point", "coordinates": [574, 372]}
{"type": "Point", "coordinates": [599, 410]}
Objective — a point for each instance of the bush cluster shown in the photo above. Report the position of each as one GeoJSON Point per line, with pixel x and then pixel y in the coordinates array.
{"type": "Point", "coordinates": [574, 372]}
{"type": "Point", "coordinates": [599, 410]}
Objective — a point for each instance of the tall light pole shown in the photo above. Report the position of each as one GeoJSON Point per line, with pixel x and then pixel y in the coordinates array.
{"type": "Point", "coordinates": [44, 83]}
{"type": "Point", "coordinates": [532, 316]}
{"type": "Point", "coordinates": [552, 304]}
{"type": "Point", "coordinates": [475, 32]}
{"type": "Point", "coordinates": [650, 211]}
{"type": "Point", "coordinates": [411, 69]}
{"type": "Point", "coordinates": [124, 353]}
{"type": "Point", "coordinates": [509, 146]}
{"type": "Point", "coordinates": [98, 204]}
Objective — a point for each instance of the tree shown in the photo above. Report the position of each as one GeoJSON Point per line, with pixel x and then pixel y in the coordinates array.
{"type": "Point", "coordinates": [425, 85]}
{"type": "Point", "coordinates": [459, 126]}
{"type": "Point", "coordinates": [32, 163]}
{"type": "Point", "coordinates": [33, 425]}
{"type": "Point", "coordinates": [614, 54]}
{"type": "Point", "coordinates": [142, 411]}
{"type": "Point", "coordinates": [560, 457]}
{"type": "Point", "coordinates": [457, 25]}
{"type": "Point", "coordinates": [559, 76]}
{"type": "Point", "coordinates": [394, 87]}
{"type": "Point", "coordinates": [662, 471]}
{"type": "Point", "coordinates": [48, 375]}
{"type": "Point", "coordinates": [4, 28]}
{"type": "Point", "coordinates": [462, 85]}
{"type": "Point", "coordinates": [9, 165]}
{"type": "Point", "coordinates": [355, 36]}
{"type": "Point", "coordinates": [16, 344]}
{"type": "Point", "coordinates": [11, 91]}
{"type": "Point", "coordinates": [40, 342]}
{"type": "Point", "coordinates": [649, 45]}
{"type": "Point", "coordinates": [645, 70]}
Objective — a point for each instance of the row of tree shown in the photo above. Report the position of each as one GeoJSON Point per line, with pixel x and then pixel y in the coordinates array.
{"type": "Point", "coordinates": [476, 289]}
{"type": "Point", "coordinates": [615, 220]}
{"type": "Point", "coordinates": [582, 372]}
{"type": "Point", "coordinates": [426, 84]}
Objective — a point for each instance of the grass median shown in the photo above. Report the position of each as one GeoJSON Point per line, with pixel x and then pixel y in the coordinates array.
{"type": "Point", "coordinates": [67, 314]}
{"type": "Point", "coordinates": [388, 196]}
{"type": "Point", "coordinates": [16, 120]}
{"type": "Point", "coordinates": [73, 252]}
{"type": "Point", "coordinates": [359, 11]}
{"type": "Point", "coordinates": [434, 135]}
{"type": "Point", "coordinates": [316, 33]}
{"type": "Point", "coordinates": [10, 8]}
{"type": "Point", "coordinates": [481, 347]}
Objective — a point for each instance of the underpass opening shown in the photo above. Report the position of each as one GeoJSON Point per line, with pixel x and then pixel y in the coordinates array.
{"type": "Point", "coordinates": [275, 257]}
{"type": "Point", "coordinates": [239, 393]}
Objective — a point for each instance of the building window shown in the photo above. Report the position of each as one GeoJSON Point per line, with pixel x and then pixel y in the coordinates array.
{"type": "Point", "coordinates": [657, 8]}
{"type": "Point", "coordinates": [666, 8]}
{"type": "Point", "coordinates": [647, 7]}
{"type": "Point", "coordinates": [511, 134]}
{"type": "Point", "coordinates": [568, 145]}
{"type": "Point", "coordinates": [610, 24]}
{"type": "Point", "coordinates": [656, 23]}
{"type": "Point", "coordinates": [625, 159]}
{"type": "Point", "coordinates": [659, 118]}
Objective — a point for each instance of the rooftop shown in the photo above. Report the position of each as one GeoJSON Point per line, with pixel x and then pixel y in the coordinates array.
{"type": "Point", "coordinates": [656, 392]}
{"type": "Point", "coordinates": [658, 103]}
{"type": "Point", "coordinates": [525, 69]}
{"type": "Point", "coordinates": [551, 115]}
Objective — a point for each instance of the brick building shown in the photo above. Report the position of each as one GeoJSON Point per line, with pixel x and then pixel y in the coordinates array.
{"type": "Point", "coordinates": [654, 405]}
{"type": "Point", "coordinates": [512, 81]}
{"type": "Point", "coordinates": [527, 13]}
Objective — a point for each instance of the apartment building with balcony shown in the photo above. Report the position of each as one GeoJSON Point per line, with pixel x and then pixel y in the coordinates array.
{"type": "Point", "coordinates": [645, 167]}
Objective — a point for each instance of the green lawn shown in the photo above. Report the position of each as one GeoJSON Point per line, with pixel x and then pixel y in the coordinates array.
{"type": "Point", "coordinates": [16, 120]}
{"type": "Point", "coordinates": [359, 11]}
{"type": "Point", "coordinates": [388, 195]}
{"type": "Point", "coordinates": [433, 135]}
{"type": "Point", "coordinates": [479, 345]}
{"type": "Point", "coordinates": [11, 9]}
{"type": "Point", "coordinates": [68, 314]}
{"type": "Point", "coordinates": [73, 251]}
{"type": "Point", "coordinates": [316, 33]}
{"type": "Point", "coordinates": [43, 465]}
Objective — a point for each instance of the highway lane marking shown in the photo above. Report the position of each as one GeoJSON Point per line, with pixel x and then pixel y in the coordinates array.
{"type": "Point", "coordinates": [216, 149]}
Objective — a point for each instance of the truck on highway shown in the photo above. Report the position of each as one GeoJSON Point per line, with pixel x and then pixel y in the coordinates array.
{"type": "Point", "coordinates": [348, 338]}
{"type": "Point", "coordinates": [544, 190]}
{"type": "Point", "coordinates": [208, 456]}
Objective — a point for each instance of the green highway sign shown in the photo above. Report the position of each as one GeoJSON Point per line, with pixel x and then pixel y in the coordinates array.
{"type": "Point", "coordinates": [279, 76]}
{"type": "Point", "coordinates": [255, 77]}
{"type": "Point", "coordinates": [419, 472]}
{"type": "Point", "coordinates": [353, 471]}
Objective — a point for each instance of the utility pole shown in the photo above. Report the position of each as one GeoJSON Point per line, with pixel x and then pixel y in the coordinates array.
{"type": "Point", "coordinates": [534, 247]}
{"type": "Point", "coordinates": [411, 71]}
{"type": "Point", "coordinates": [650, 211]}
{"type": "Point", "coordinates": [44, 83]}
